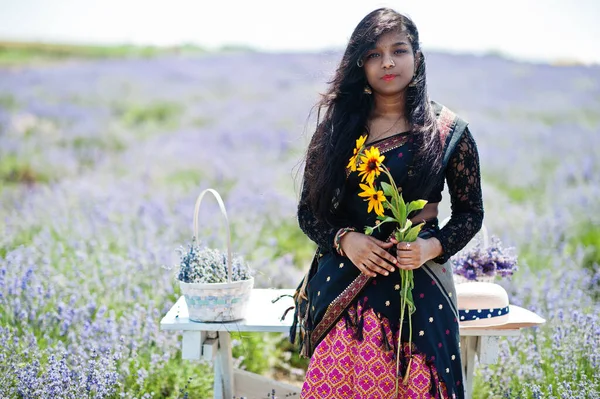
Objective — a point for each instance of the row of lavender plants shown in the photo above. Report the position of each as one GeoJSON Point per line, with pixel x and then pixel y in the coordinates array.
{"type": "Point", "coordinates": [101, 162]}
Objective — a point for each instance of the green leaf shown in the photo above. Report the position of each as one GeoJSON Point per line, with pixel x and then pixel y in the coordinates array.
{"type": "Point", "coordinates": [416, 205]}
{"type": "Point", "coordinates": [407, 226]}
{"type": "Point", "coordinates": [413, 233]}
{"type": "Point", "coordinates": [402, 210]}
{"type": "Point", "coordinates": [396, 214]}
{"type": "Point", "coordinates": [386, 219]}
{"type": "Point", "coordinates": [368, 230]}
{"type": "Point", "coordinates": [399, 236]}
{"type": "Point", "coordinates": [388, 190]}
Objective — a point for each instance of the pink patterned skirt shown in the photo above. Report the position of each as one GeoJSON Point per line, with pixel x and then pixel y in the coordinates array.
{"type": "Point", "coordinates": [344, 367]}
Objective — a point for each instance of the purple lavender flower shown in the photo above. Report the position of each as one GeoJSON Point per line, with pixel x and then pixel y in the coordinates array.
{"type": "Point", "coordinates": [491, 261]}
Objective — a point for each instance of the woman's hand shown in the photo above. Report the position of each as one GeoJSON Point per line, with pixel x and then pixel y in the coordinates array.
{"type": "Point", "coordinates": [412, 255]}
{"type": "Point", "coordinates": [368, 253]}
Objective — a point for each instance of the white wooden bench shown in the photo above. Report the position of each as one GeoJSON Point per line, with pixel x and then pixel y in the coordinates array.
{"type": "Point", "coordinates": [211, 341]}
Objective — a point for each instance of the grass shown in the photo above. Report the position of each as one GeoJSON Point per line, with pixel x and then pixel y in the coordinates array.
{"type": "Point", "coordinates": [17, 170]}
{"type": "Point", "coordinates": [517, 194]}
{"type": "Point", "coordinates": [111, 143]}
{"type": "Point", "coordinates": [14, 53]}
{"type": "Point", "coordinates": [184, 178]}
{"type": "Point", "coordinates": [586, 235]}
{"type": "Point", "coordinates": [8, 101]}
{"type": "Point", "coordinates": [159, 113]}
{"type": "Point", "coordinates": [291, 240]}
{"type": "Point", "coordinates": [18, 53]}
{"type": "Point", "coordinates": [587, 117]}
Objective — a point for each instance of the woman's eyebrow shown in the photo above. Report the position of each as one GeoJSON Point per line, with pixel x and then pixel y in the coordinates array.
{"type": "Point", "coordinates": [374, 46]}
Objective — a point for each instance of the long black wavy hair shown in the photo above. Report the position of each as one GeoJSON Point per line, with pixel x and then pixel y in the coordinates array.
{"type": "Point", "coordinates": [347, 109]}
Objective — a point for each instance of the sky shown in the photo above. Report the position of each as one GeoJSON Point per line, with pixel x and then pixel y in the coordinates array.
{"type": "Point", "coordinates": [531, 30]}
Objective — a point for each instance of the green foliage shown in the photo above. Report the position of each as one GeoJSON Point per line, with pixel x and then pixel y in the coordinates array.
{"type": "Point", "coordinates": [8, 101]}
{"type": "Point", "coordinates": [185, 178]}
{"type": "Point", "coordinates": [109, 143]}
{"type": "Point", "coordinates": [587, 235]}
{"type": "Point", "coordinates": [177, 377]}
{"type": "Point", "coordinates": [18, 53]}
{"type": "Point", "coordinates": [17, 238]}
{"type": "Point", "coordinates": [156, 113]}
{"type": "Point", "coordinates": [16, 170]}
{"type": "Point", "coordinates": [586, 117]}
{"type": "Point", "coordinates": [290, 240]}
{"type": "Point", "coordinates": [257, 351]}
{"type": "Point", "coordinates": [548, 358]}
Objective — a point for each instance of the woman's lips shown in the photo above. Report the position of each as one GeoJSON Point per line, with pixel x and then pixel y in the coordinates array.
{"type": "Point", "coordinates": [388, 78]}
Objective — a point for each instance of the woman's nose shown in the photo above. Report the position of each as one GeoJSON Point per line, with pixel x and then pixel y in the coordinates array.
{"type": "Point", "coordinates": [388, 62]}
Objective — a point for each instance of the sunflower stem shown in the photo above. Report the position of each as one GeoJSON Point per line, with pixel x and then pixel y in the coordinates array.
{"type": "Point", "coordinates": [395, 195]}
{"type": "Point", "coordinates": [409, 348]}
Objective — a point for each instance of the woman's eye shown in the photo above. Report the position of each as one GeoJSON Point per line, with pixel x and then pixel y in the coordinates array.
{"type": "Point", "coordinates": [372, 55]}
{"type": "Point", "coordinates": [399, 51]}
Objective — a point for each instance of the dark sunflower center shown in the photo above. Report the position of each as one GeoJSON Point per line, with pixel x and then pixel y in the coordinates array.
{"type": "Point", "coordinates": [372, 165]}
{"type": "Point", "coordinates": [374, 197]}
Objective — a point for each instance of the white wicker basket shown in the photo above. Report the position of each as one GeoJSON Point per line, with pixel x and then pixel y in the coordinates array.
{"type": "Point", "coordinates": [217, 302]}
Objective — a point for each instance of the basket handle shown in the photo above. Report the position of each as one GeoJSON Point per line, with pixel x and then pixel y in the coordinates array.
{"type": "Point", "coordinates": [483, 231]}
{"type": "Point", "coordinates": [224, 213]}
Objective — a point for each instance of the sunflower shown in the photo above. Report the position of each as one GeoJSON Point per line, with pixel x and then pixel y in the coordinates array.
{"type": "Point", "coordinates": [370, 165]}
{"type": "Point", "coordinates": [375, 198]}
{"type": "Point", "coordinates": [360, 142]}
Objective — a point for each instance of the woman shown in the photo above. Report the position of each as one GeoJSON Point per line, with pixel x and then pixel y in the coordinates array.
{"type": "Point", "coordinates": [348, 305]}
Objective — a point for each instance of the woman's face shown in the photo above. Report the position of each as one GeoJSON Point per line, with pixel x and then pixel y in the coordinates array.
{"type": "Point", "coordinates": [390, 65]}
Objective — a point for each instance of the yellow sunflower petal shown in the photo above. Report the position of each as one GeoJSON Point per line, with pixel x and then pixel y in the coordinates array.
{"type": "Point", "coordinates": [371, 204]}
{"type": "Point", "coordinates": [352, 164]}
{"type": "Point", "coordinates": [360, 142]}
{"type": "Point", "coordinates": [379, 209]}
{"type": "Point", "coordinates": [367, 191]}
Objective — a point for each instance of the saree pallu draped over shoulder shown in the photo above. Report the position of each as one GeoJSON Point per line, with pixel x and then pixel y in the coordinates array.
{"type": "Point", "coordinates": [349, 322]}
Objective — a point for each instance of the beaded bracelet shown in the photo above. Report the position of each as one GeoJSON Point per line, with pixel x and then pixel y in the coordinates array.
{"type": "Point", "coordinates": [338, 239]}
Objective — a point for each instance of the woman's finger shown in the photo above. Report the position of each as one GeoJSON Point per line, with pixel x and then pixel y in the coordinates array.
{"type": "Point", "coordinates": [376, 268]}
{"type": "Point", "coordinates": [405, 261]}
{"type": "Point", "coordinates": [363, 269]}
{"type": "Point", "coordinates": [380, 248]}
{"type": "Point", "coordinates": [405, 246]}
{"type": "Point", "coordinates": [405, 255]}
{"type": "Point", "coordinates": [385, 256]}
{"type": "Point", "coordinates": [407, 265]}
{"type": "Point", "coordinates": [381, 244]}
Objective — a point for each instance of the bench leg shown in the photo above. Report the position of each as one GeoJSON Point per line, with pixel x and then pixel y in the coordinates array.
{"type": "Point", "coordinates": [468, 349]}
{"type": "Point", "coordinates": [223, 385]}
{"type": "Point", "coordinates": [191, 345]}
{"type": "Point", "coordinates": [489, 348]}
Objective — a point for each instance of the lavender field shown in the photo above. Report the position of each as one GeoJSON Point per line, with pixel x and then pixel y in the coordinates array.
{"type": "Point", "coordinates": [101, 162]}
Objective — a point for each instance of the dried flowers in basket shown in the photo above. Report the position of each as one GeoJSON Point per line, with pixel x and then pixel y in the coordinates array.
{"type": "Point", "coordinates": [205, 265]}
{"type": "Point", "coordinates": [485, 261]}
{"type": "Point", "coordinates": [216, 286]}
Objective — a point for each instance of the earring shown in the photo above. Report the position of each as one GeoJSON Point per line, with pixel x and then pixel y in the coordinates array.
{"type": "Point", "coordinates": [360, 63]}
{"type": "Point", "coordinates": [413, 82]}
{"type": "Point", "coordinates": [367, 90]}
